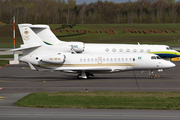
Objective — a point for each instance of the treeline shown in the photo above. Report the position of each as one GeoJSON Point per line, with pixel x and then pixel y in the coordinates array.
{"type": "Point", "coordinates": [62, 12]}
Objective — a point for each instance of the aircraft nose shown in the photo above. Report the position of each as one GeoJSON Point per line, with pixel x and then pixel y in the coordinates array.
{"type": "Point", "coordinates": [169, 64]}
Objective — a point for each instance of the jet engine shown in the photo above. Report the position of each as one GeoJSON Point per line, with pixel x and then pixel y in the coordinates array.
{"type": "Point", "coordinates": [77, 46]}
{"type": "Point", "coordinates": [56, 59]}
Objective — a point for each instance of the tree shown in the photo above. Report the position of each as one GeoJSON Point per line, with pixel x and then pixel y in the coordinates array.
{"type": "Point", "coordinates": [82, 11]}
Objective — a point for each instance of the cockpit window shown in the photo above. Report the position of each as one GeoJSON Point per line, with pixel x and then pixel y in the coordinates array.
{"type": "Point", "coordinates": [168, 48]}
{"type": "Point", "coordinates": [153, 57]}
{"type": "Point", "coordinates": [158, 57]}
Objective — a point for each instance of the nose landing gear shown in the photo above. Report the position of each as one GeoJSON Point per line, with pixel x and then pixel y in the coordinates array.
{"type": "Point", "coordinates": [151, 74]}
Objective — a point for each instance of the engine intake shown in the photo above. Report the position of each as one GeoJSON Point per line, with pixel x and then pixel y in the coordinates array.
{"type": "Point", "coordinates": [78, 47]}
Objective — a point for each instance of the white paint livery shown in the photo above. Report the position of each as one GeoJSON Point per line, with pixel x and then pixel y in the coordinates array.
{"type": "Point", "coordinates": [46, 35]}
{"type": "Point", "coordinates": [58, 57]}
{"type": "Point", "coordinates": [55, 59]}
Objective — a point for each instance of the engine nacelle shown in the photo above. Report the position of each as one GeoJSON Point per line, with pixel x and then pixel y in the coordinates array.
{"type": "Point", "coordinates": [56, 59]}
{"type": "Point", "coordinates": [77, 46]}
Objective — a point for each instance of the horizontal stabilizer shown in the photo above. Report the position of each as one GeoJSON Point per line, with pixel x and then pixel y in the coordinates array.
{"type": "Point", "coordinates": [25, 47]}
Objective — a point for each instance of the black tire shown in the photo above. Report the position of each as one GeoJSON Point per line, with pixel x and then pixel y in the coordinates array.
{"type": "Point", "coordinates": [151, 77]}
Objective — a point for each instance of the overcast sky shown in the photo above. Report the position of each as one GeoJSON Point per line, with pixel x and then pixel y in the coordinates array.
{"type": "Point", "coordinates": [89, 1]}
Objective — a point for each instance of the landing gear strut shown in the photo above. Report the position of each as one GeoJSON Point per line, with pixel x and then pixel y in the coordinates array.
{"type": "Point", "coordinates": [84, 75]}
{"type": "Point", "coordinates": [151, 74]}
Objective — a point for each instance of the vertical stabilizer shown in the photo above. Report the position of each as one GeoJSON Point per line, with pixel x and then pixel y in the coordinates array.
{"type": "Point", "coordinates": [45, 34]}
{"type": "Point", "coordinates": [28, 36]}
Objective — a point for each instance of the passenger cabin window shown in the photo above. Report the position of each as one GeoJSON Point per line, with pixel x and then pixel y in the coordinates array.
{"type": "Point", "coordinates": [114, 50]}
{"type": "Point", "coordinates": [91, 59]}
{"type": "Point", "coordinates": [148, 50]}
{"type": "Point", "coordinates": [103, 59]}
{"type": "Point", "coordinates": [133, 59]}
{"type": "Point", "coordinates": [107, 50]}
{"type": "Point", "coordinates": [120, 50]}
{"type": "Point", "coordinates": [107, 60]}
{"type": "Point", "coordinates": [95, 59]}
{"type": "Point", "coordinates": [134, 50]}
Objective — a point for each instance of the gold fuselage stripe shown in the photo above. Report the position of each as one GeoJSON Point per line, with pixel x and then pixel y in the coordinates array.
{"type": "Point", "coordinates": [89, 65]}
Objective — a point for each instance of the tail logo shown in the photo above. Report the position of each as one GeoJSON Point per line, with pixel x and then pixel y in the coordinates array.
{"type": "Point", "coordinates": [26, 37]}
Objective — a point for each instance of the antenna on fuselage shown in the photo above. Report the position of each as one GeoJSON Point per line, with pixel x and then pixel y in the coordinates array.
{"type": "Point", "coordinates": [139, 43]}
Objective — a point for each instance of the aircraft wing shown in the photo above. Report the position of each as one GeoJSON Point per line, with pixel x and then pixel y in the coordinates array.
{"type": "Point", "coordinates": [94, 70]}
{"type": "Point", "coordinates": [78, 70]}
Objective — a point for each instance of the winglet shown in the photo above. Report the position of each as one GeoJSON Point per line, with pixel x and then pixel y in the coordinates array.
{"type": "Point", "coordinates": [32, 67]}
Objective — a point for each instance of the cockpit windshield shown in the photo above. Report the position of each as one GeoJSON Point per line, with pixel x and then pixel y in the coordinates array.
{"type": "Point", "coordinates": [158, 57]}
{"type": "Point", "coordinates": [155, 57]}
{"type": "Point", "coordinates": [168, 48]}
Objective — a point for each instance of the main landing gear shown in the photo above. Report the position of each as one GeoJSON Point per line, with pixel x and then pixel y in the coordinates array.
{"type": "Point", "coordinates": [84, 75]}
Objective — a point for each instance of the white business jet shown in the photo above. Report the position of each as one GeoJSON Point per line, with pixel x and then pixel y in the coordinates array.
{"type": "Point", "coordinates": [52, 58]}
{"type": "Point", "coordinates": [47, 36]}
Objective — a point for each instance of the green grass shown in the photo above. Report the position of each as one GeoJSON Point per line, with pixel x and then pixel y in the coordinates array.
{"type": "Point", "coordinates": [3, 62]}
{"type": "Point", "coordinates": [103, 100]}
{"type": "Point", "coordinates": [120, 37]}
{"type": "Point", "coordinates": [7, 42]}
{"type": "Point", "coordinates": [6, 56]}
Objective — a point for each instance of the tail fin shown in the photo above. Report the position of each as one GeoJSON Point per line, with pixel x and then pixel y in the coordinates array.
{"type": "Point", "coordinates": [30, 39]}
{"type": "Point", "coordinates": [28, 36]}
{"type": "Point", "coordinates": [45, 34]}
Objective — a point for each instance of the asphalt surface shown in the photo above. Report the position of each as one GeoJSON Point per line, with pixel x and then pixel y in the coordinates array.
{"type": "Point", "coordinates": [17, 81]}
{"type": "Point", "coordinates": [20, 79]}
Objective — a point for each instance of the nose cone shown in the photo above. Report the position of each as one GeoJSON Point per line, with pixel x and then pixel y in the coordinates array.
{"type": "Point", "coordinates": [169, 64]}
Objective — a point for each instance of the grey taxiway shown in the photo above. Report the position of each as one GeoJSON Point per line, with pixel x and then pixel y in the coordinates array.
{"type": "Point", "coordinates": [17, 81]}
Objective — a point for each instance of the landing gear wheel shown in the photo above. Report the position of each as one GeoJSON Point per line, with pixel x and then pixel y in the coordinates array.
{"type": "Point", "coordinates": [78, 76]}
{"type": "Point", "coordinates": [89, 74]}
{"type": "Point", "coordinates": [152, 77]}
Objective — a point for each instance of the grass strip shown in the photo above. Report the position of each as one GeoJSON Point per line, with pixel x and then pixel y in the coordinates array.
{"type": "Point", "coordinates": [6, 56]}
{"type": "Point", "coordinates": [103, 100]}
{"type": "Point", "coordinates": [3, 62]}
{"type": "Point", "coordinates": [120, 37]}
